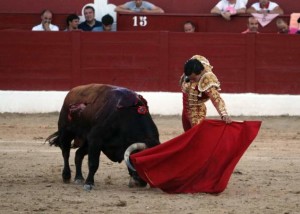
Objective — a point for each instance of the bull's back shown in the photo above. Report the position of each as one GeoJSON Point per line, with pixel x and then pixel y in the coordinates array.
{"type": "Point", "coordinates": [92, 96]}
{"type": "Point", "coordinates": [87, 93]}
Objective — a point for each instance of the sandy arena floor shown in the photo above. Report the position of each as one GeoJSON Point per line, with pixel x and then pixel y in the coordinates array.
{"type": "Point", "coordinates": [266, 180]}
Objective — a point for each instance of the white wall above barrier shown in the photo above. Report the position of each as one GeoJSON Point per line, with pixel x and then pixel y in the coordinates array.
{"type": "Point", "coordinates": [162, 103]}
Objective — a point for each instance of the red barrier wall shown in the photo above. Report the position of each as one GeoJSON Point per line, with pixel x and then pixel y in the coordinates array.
{"type": "Point", "coordinates": [147, 61]}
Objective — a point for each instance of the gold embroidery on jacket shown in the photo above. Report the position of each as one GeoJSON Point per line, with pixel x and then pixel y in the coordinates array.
{"type": "Point", "coordinates": [217, 101]}
{"type": "Point", "coordinates": [208, 85]}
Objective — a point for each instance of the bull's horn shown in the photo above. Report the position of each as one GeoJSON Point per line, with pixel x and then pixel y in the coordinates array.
{"type": "Point", "coordinates": [130, 149]}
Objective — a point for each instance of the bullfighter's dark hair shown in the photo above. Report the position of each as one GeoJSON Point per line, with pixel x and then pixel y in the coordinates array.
{"type": "Point", "coordinates": [193, 66]}
{"type": "Point", "coordinates": [298, 20]}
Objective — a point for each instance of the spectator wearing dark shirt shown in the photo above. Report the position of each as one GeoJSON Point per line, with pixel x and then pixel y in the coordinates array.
{"type": "Point", "coordinates": [72, 22]}
{"type": "Point", "coordinates": [107, 24]}
{"type": "Point", "coordinates": [90, 21]}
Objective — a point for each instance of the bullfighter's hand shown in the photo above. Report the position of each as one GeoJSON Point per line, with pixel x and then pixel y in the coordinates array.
{"type": "Point", "coordinates": [226, 119]}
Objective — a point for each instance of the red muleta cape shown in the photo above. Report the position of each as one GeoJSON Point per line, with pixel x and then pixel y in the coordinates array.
{"type": "Point", "coordinates": [200, 160]}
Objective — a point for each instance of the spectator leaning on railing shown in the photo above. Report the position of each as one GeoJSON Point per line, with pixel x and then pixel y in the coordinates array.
{"type": "Point", "coordinates": [265, 7]}
{"type": "Point", "coordinates": [139, 6]}
{"type": "Point", "coordinates": [228, 8]}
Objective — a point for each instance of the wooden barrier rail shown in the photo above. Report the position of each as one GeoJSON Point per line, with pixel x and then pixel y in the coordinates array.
{"type": "Point", "coordinates": [147, 61]}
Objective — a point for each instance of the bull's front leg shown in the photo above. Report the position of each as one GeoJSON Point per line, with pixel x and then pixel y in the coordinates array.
{"type": "Point", "coordinates": [93, 163]}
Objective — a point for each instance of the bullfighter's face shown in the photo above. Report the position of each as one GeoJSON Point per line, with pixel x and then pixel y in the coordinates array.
{"type": "Point", "coordinates": [194, 77]}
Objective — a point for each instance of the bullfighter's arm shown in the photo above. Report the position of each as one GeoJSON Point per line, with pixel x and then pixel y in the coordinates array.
{"type": "Point", "coordinates": [218, 102]}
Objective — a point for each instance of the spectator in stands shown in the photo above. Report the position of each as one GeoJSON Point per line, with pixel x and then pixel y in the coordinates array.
{"type": "Point", "coordinates": [90, 21]}
{"type": "Point", "coordinates": [298, 32]}
{"type": "Point", "coordinates": [283, 27]}
{"type": "Point", "coordinates": [107, 23]}
{"type": "Point", "coordinates": [265, 7]}
{"type": "Point", "coordinates": [252, 25]}
{"type": "Point", "coordinates": [228, 8]}
{"type": "Point", "coordinates": [46, 25]}
{"type": "Point", "coordinates": [72, 22]}
{"type": "Point", "coordinates": [139, 6]}
{"type": "Point", "coordinates": [189, 27]}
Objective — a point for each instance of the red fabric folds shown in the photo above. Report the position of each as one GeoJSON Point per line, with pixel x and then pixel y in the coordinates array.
{"type": "Point", "coordinates": [200, 160]}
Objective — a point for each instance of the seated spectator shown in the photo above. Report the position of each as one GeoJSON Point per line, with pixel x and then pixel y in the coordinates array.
{"type": "Point", "coordinates": [107, 23]}
{"type": "Point", "coordinates": [46, 25]}
{"type": "Point", "coordinates": [252, 25]}
{"type": "Point", "coordinates": [189, 27]}
{"type": "Point", "coordinates": [139, 6]}
{"type": "Point", "coordinates": [265, 7]}
{"type": "Point", "coordinates": [90, 21]}
{"type": "Point", "coordinates": [298, 20]}
{"type": "Point", "coordinates": [72, 22]}
{"type": "Point", "coordinates": [228, 8]}
{"type": "Point", "coordinates": [283, 27]}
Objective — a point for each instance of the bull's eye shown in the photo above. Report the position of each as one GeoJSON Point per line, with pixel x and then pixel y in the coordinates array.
{"type": "Point", "coordinates": [142, 110]}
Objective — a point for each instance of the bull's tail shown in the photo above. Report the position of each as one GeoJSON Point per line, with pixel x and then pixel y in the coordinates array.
{"type": "Point", "coordinates": [53, 139]}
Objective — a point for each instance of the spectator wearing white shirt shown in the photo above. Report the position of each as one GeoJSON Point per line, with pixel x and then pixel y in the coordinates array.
{"type": "Point", "coordinates": [46, 25]}
{"type": "Point", "coordinates": [265, 7]}
{"type": "Point", "coordinates": [228, 8]}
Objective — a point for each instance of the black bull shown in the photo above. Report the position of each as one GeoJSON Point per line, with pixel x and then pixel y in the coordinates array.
{"type": "Point", "coordinates": [102, 118]}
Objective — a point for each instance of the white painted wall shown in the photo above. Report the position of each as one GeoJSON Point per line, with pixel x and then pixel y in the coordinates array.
{"type": "Point", "coordinates": [163, 103]}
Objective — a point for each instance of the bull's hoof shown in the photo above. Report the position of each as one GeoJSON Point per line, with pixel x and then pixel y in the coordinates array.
{"type": "Point", "coordinates": [66, 176]}
{"type": "Point", "coordinates": [79, 181]}
{"type": "Point", "coordinates": [66, 181]}
{"type": "Point", "coordinates": [88, 187]}
{"type": "Point", "coordinates": [136, 183]}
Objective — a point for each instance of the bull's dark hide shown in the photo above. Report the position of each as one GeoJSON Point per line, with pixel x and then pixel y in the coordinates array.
{"type": "Point", "coordinates": [102, 118]}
